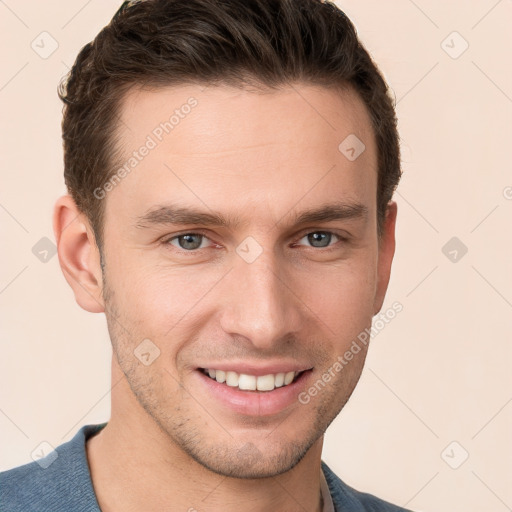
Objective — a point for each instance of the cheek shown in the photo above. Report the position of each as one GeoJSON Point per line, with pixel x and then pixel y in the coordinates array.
{"type": "Point", "coordinates": [155, 300]}
{"type": "Point", "coordinates": [343, 297]}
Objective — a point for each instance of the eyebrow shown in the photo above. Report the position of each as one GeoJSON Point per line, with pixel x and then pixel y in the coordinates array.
{"type": "Point", "coordinates": [169, 214]}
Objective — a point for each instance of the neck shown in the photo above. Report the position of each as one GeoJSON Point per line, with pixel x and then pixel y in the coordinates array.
{"type": "Point", "coordinates": [136, 466]}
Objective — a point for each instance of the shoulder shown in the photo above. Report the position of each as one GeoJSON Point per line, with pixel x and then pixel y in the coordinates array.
{"type": "Point", "coordinates": [58, 481]}
{"type": "Point", "coordinates": [345, 497]}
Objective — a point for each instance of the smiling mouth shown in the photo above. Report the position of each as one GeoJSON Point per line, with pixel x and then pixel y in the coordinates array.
{"type": "Point", "coordinates": [245, 382]}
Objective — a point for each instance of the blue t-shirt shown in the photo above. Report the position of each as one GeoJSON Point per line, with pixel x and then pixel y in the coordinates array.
{"type": "Point", "coordinates": [61, 482]}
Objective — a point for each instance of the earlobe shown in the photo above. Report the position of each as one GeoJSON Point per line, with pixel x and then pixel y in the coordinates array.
{"type": "Point", "coordinates": [78, 254]}
{"type": "Point", "coordinates": [386, 253]}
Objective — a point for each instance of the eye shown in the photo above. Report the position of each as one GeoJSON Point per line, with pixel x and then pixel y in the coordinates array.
{"type": "Point", "coordinates": [190, 242]}
{"type": "Point", "coordinates": [187, 241]}
{"type": "Point", "coordinates": [320, 239]}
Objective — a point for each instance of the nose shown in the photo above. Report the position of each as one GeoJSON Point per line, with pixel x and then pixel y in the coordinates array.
{"type": "Point", "coordinates": [259, 302]}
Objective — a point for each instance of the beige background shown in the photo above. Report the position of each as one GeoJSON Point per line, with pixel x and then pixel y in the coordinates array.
{"type": "Point", "coordinates": [438, 373]}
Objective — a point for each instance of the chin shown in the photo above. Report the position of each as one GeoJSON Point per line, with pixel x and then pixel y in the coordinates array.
{"type": "Point", "coordinates": [248, 462]}
{"type": "Point", "coordinates": [245, 458]}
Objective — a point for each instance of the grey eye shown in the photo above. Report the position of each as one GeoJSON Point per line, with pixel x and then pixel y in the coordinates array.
{"type": "Point", "coordinates": [189, 241]}
{"type": "Point", "coordinates": [319, 238]}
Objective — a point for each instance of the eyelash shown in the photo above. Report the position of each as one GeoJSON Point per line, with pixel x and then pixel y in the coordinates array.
{"type": "Point", "coordinates": [166, 241]}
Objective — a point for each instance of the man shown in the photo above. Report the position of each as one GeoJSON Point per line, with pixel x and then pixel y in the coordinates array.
{"type": "Point", "coordinates": [230, 168]}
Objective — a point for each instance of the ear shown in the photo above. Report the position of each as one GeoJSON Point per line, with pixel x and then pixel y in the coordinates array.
{"type": "Point", "coordinates": [79, 256]}
{"type": "Point", "coordinates": [386, 253]}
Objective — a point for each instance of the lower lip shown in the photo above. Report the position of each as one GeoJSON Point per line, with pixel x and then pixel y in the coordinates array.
{"type": "Point", "coordinates": [255, 403]}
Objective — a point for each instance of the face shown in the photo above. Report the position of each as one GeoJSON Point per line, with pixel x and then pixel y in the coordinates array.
{"type": "Point", "coordinates": [241, 251]}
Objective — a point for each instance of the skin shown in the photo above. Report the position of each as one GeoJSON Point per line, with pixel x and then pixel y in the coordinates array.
{"type": "Point", "coordinates": [262, 157]}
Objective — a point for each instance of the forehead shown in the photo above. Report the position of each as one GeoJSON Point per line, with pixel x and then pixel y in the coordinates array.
{"type": "Point", "coordinates": [225, 148]}
{"type": "Point", "coordinates": [225, 117]}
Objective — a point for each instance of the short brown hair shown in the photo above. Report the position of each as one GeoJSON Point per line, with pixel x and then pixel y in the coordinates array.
{"type": "Point", "coordinates": [237, 42]}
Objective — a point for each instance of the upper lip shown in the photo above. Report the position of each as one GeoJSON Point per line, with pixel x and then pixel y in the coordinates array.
{"type": "Point", "coordinates": [257, 370]}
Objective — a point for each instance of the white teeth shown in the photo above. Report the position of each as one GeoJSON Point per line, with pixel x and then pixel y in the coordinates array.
{"type": "Point", "coordinates": [279, 380]}
{"type": "Point", "coordinates": [232, 379]}
{"type": "Point", "coordinates": [288, 378]}
{"type": "Point", "coordinates": [251, 382]}
{"type": "Point", "coordinates": [265, 383]}
{"type": "Point", "coordinates": [247, 382]}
